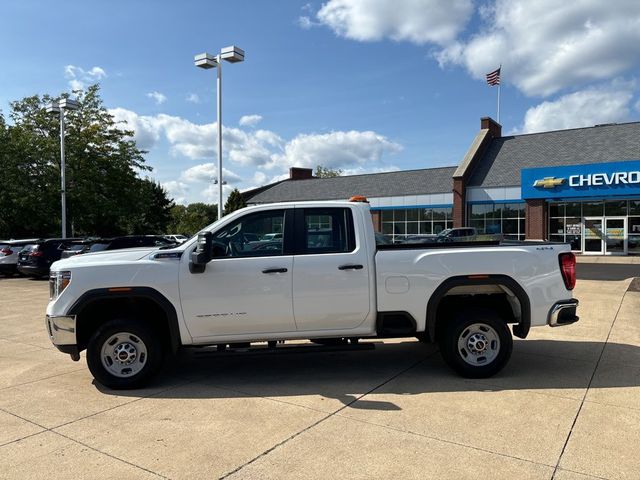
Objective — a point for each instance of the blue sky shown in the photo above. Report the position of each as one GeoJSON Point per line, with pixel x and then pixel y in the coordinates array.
{"type": "Point", "coordinates": [361, 85]}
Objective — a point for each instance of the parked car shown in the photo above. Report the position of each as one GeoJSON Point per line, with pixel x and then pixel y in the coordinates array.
{"type": "Point", "coordinates": [463, 234]}
{"type": "Point", "coordinates": [9, 250]}
{"type": "Point", "coordinates": [176, 238]}
{"type": "Point", "coordinates": [382, 239]}
{"type": "Point", "coordinates": [76, 248]}
{"type": "Point", "coordinates": [35, 258]}
{"type": "Point", "coordinates": [132, 309]}
{"type": "Point", "coordinates": [129, 241]}
{"type": "Point", "coordinates": [416, 239]}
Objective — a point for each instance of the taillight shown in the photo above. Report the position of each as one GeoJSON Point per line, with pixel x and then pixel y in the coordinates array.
{"type": "Point", "coordinates": [6, 251]}
{"type": "Point", "coordinates": [568, 269]}
{"type": "Point", "coordinates": [36, 254]}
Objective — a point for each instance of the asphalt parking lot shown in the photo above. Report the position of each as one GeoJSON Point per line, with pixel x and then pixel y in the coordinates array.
{"type": "Point", "coordinates": [566, 407]}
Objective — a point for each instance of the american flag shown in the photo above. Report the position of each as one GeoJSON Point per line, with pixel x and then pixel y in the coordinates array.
{"type": "Point", "coordinates": [493, 78]}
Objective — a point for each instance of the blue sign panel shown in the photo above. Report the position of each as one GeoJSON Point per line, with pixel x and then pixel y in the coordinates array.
{"type": "Point", "coordinates": [593, 180]}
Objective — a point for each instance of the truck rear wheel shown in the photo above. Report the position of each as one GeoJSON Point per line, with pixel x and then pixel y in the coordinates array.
{"type": "Point", "coordinates": [124, 353]}
{"type": "Point", "coordinates": [476, 343]}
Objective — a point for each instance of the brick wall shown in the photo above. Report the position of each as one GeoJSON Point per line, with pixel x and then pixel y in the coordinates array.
{"type": "Point", "coordinates": [536, 223]}
{"type": "Point", "coordinates": [376, 218]}
{"type": "Point", "coordinates": [459, 202]}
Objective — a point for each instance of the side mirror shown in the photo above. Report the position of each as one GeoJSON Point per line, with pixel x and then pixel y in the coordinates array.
{"type": "Point", "coordinates": [202, 254]}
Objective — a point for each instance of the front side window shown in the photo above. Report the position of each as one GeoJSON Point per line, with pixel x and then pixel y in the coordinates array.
{"type": "Point", "coordinates": [327, 230]}
{"type": "Point", "coordinates": [258, 234]}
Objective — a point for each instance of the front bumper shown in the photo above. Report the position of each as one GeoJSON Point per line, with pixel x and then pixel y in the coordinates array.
{"type": "Point", "coordinates": [563, 313]}
{"type": "Point", "coordinates": [61, 329]}
{"type": "Point", "coordinates": [62, 332]}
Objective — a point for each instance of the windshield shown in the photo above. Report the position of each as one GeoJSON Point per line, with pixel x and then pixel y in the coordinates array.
{"type": "Point", "coordinates": [445, 232]}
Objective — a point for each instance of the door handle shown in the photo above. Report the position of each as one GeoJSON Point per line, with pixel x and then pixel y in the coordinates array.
{"type": "Point", "coordinates": [275, 270]}
{"type": "Point", "coordinates": [350, 266]}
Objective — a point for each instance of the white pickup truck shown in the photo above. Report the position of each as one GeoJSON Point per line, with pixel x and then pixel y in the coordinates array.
{"type": "Point", "coordinates": [324, 279]}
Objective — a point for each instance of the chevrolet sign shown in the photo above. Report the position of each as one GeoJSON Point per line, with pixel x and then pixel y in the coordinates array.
{"type": "Point", "coordinates": [621, 178]}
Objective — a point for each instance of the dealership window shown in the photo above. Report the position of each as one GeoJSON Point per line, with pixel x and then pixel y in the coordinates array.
{"type": "Point", "coordinates": [507, 219]}
{"type": "Point", "coordinates": [401, 222]}
{"type": "Point", "coordinates": [565, 220]}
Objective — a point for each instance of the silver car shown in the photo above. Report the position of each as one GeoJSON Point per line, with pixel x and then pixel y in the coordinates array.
{"type": "Point", "coordinates": [9, 250]}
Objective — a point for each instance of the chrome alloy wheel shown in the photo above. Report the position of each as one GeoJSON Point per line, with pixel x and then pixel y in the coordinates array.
{"type": "Point", "coordinates": [123, 354]}
{"type": "Point", "coordinates": [478, 344]}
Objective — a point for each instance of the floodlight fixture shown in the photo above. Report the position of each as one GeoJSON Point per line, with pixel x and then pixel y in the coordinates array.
{"type": "Point", "coordinates": [205, 60]}
{"type": "Point", "coordinates": [232, 54]}
{"type": "Point", "coordinates": [53, 108]}
{"type": "Point", "coordinates": [69, 104]}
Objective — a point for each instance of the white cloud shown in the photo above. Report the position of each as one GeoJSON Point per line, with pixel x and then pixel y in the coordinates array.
{"type": "Point", "coordinates": [352, 149]}
{"type": "Point", "coordinates": [79, 77]}
{"type": "Point", "coordinates": [417, 21]}
{"type": "Point", "coordinates": [259, 154]}
{"type": "Point", "coordinates": [157, 97]}
{"type": "Point", "coordinates": [146, 129]}
{"type": "Point", "coordinates": [178, 190]}
{"type": "Point", "coordinates": [207, 172]}
{"type": "Point", "coordinates": [193, 98]}
{"type": "Point", "coordinates": [259, 178]}
{"type": "Point", "coordinates": [580, 109]}
{"type": "Point", "coordinates": [305, 22]}
{"type": "Point", "coordinates": [546, 46]}
{"type": "Point", "coordinates": [249, 120]}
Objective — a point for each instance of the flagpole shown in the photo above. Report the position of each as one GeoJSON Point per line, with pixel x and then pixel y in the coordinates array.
{"type": "Point", "coordinates": [499, 86]}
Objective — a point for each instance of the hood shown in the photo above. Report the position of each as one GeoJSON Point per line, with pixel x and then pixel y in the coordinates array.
{"type": "Point", "coordinates": [114, 256]}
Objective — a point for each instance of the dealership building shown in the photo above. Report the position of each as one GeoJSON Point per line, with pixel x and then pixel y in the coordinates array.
{"type": "Point", "coordinates": [580, 186]}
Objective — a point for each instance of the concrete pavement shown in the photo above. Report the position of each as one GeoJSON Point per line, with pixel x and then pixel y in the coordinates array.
{"type": "Point", "coordinates": [566, 407]}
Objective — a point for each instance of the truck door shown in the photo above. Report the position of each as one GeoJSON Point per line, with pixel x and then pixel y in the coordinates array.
{"type": "Point", "coordinates": [246, 287]}
{"type": "Point", "coordinates": [330, 271]}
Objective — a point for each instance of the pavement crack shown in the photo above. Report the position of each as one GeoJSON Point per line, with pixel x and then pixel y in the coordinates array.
{"type": "Point", "coordinates": [109, 455]}
{"type": "Point", "coordinates": [593, 374]}
{"type": "Point", "coordinates": [326, 417]}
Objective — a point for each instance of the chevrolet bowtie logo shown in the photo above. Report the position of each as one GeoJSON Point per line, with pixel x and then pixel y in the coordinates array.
{"type": "Point", "coordinates": [549, 182]}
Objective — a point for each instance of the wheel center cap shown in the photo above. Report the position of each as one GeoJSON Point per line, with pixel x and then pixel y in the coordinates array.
{"type": "Point", "coordinates": [477, 343]}
{"type": "Point", "coordinates": [125, 353]}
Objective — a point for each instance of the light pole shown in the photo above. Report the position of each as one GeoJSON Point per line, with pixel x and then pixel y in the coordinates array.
{"type": "Point", "coordinates": [60, 107]}
{"type": "Point", "coordinates": [231, 54]}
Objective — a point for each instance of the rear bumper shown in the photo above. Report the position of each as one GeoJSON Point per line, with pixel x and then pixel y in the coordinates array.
{"type": "Point", "coordinates": [33, 270]}
{"type": "Point", "coordinates": [8, 268]}
{"type": "Point", "coordinates": [563, 313]}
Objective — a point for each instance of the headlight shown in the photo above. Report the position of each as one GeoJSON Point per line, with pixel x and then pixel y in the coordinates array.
{"type": "Point", "coordinates": [58, 281]}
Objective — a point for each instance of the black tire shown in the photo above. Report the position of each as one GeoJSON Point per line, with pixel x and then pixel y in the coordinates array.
{"type": "Point", "coordinates": [469, 328]}
{"type": "Point", "coordinates": [147, 350]}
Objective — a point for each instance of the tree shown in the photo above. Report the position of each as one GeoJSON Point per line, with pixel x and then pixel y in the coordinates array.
{"type": "Point", "coordinates": [105, 193]}
{"type": "Point", "coordinates": [234, 202]}
{"type": "Point", "coordinates": [153, 212]}
{"type": "Point", "coordinates": [192, 218]}
{"type": "Point", "coordinates": [326, 172]}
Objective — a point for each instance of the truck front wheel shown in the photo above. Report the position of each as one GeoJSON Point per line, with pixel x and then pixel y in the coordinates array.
{"type": "Point", "coordinates": [476, 343]}
{"type": "Point", "coordinates": [124, 353]}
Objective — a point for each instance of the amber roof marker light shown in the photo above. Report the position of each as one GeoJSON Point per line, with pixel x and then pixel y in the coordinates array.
{"type": "Point", "coordinates": [359, 198]}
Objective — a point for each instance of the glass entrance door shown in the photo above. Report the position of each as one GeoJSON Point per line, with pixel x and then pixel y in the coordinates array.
{"type": "Point", "coordinates": [616, 235]}
{"type": "Point", "coordinates": [593, 236]}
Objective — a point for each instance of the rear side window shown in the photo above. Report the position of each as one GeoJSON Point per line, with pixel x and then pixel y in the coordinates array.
{"type": "Point", "coordinates": [327, 230]}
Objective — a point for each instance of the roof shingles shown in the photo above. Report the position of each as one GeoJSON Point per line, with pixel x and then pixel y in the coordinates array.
{"type": "Point", "coordinates": [389, 184]}
{"type": "Point", "coordinates": [506, 156]}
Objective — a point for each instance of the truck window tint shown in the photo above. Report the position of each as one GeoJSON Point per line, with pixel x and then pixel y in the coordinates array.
{"type": "Point", "coordinates": [328, 230]}
{"type": "Point", "coordinates": [255, 235]}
